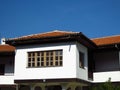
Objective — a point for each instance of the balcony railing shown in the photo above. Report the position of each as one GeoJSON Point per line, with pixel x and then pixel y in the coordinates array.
{"type": "Point", "coordinates": [6, 79]}
{"type": "Point", "coordinates": [104, 76]}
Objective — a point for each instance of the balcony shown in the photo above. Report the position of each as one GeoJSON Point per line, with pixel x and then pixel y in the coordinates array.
{"type": "Point", "coordinates": [6, 79]}
{"type": "Point", "coordinates": [104, 76]}
{"type": "Point", "coordinates": [6, 71]}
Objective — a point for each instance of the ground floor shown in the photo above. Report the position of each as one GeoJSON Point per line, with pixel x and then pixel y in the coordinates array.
{"type": "Point", "coordinates": [7, 87]}
{"type": "Point", "coordinates": [51, 87]}
{"type": "Point", "coordinates": [43, 87]}
{"type": "Point", "coordinates": [65, 84]}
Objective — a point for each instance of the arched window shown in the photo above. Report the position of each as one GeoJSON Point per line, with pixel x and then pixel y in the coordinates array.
{"type": "Point", "coordinates": [37, 88]}
{"type": "Point", "coordinates": [54, 87]}
{"type": "Point", "coordinates": [23, 87]}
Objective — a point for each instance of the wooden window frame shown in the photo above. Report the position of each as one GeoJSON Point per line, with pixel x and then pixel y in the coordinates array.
{"type": "Point", "coordinates": [50, 58]}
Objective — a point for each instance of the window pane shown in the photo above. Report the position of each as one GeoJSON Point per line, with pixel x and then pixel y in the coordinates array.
{"type": "Point", "coordinates": [33, 54]}
{"type": "Point", "coordinates": [42, 59]}
{"type": "Point", "coordinates": [29, 54]}
{"type": "Point", "coordinates": [47, 63]}
{"type": "Point", "coordinates": [45, 58]}
{"type": "Point", "coordinates": [56, 63]}
{"type": "Point", "coordinates": [42, 53]}
{"type": "Point", "coordinates": [60, 52]}
{"type": "Point", "coordinates": [33, 59]}
{"type": "Point", "coordinates": [38, 53]}
{"type": "Point", "coordinates": [29, 59]}
{"type": "Point", "coordinates": [29, 64]}
{"type": "Point", "coordinates": [51, 63]}
{"type": "Point", "coordinates": [38, 64]}
{"type": "Point", "coordinates": [60, 57]}
{"type": "Point", "coordinates": [51, 58]}
{"type": "Point", "coordinates": [81, 59]}
{"type": "Point", "coordinates": [33, 64]}
{"type": "Point", "coordinates": [60, 63]}
{"type": "Point", "coordinates": [56, 58]}
{"type": "Point", "coordinates": [47, 53]}
{"type": "Point", "coordinates": [42, 63]}
{"type": "Point", "coordinates": [38, 59]}
{"type": "Point", "coordinates": [51, 53]}
{"type": "Point", "coordinates": [56, 53]}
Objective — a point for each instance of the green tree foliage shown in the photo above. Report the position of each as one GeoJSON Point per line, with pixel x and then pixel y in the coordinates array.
{"type": "Point", "coordinates": [106, 86]}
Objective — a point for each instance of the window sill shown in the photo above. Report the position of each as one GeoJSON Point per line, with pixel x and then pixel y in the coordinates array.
{"type": "Point", "coordinates": [82, 68]}
{"type": "Point", "coordinates": [45, 67]}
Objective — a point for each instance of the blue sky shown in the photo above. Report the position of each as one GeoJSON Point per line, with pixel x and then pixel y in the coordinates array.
{"type": "Point", "coordinates": [95, 18]}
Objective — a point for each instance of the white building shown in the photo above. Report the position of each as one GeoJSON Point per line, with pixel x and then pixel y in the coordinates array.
{"type": "Point", "coordinates": [57, 60]}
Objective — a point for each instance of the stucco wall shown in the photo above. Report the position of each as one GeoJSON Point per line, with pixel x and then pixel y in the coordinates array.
{"type": "Point", "coordinates": [104, 76]}
{"type": "Point", "coordinates": [8, 80]}
{"type": "Point", "coordinates": [68, 70]}
{"type": "Point", "coordinates": [82, 73]}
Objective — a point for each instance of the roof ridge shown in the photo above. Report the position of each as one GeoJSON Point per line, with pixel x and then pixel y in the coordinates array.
{"type": "Point", "coordinates": [43, 33]}
{"type": "Point", "coordinates": [64, 31]}
{"type": "Point", "coordinates": [105, 37]}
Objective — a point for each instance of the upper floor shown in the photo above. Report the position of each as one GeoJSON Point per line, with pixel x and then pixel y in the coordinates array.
{"type": "Point", "coordinates": [52, 55]}
{"type": "Point", "coordinates": [107, 59]}
{"type": "Point", "coordinates": [61, 55]}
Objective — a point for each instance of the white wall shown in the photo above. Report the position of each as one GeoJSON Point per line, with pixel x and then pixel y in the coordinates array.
{"type": "Point", "coordinates": [82, 73]}
{"type": "Point", "coordinates": [68, 70]}
{"type": "Point", "coordinates": [6, 80]}
{"type": "Point", "coordinates": [104, 76]}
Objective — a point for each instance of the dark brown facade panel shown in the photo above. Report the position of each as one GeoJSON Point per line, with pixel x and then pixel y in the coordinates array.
{"type": "Point", "coordinates": [12, 86]}
{"type": "Point", "coordinates": [52, 80]}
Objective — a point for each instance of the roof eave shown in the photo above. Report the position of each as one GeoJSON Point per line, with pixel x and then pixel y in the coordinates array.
{"type": "Point", "coordinates": [112, 46]}
{"type": "Point", "coordinates": [88, 41]}
{"type": "Point", "coordinates": [69, 37]}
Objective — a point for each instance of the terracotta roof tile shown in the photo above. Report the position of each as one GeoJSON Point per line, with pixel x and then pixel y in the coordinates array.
{"type": "Point", "coordinates": [7, 48]}
{"type": "Point", "coordinates": [50, 37]}
{"type": "Point", "coordinates": [42, 35]}
{"type": "Point", "coordinates": [107, 40]}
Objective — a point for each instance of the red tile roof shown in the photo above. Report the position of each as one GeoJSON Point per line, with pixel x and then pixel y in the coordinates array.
{"type": "Point", "coordinates": [7, 48]}
{"type": "Point", "coordinates": [50, 37]}
{"type": "Point", "coordinates": [43, 35]}
{"type": "Point", "coordinates": [98, 41]}
{"type": "Point", "coordinates": [107, 40]}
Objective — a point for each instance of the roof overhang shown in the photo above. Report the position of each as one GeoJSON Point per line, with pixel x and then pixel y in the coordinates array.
{"type": "Point", "coordinates": [109, 47]}
{"type": "Point", "coordinates": [79, 37]}
{"type": "Point", "coordinates": [7, 49]}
